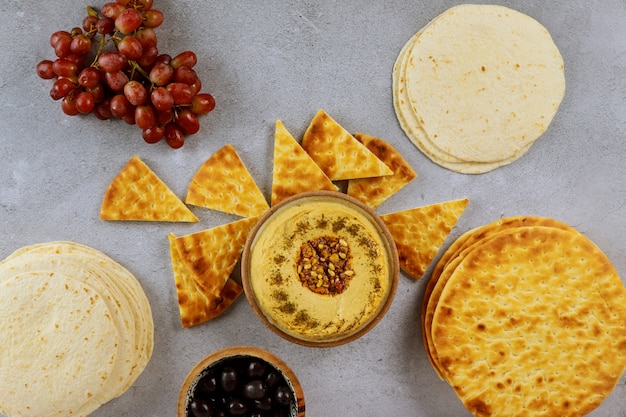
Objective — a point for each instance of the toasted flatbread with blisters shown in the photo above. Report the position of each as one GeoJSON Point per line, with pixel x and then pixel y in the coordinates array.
{"type": "Point", "coordinates": [223, 183]}
{"type": "Point", "coordinates": [420, 232]}
{"type": "Point", "coordinates": [375, 190]}
{"type": "Point", "coordinates": [136, 193]}
{"type": "Point", "coordinates": [338, 153]}
{"type": "Point", "coordinates": [294, 170]}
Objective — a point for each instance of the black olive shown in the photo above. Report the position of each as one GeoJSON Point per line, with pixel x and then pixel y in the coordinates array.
{"type": "Point", "coordinates": [200, 408]}
{"type": "Point", "coordinates": [283, 395]}
{"type": "Point", "coordinates": [272, 379]}
{"type": "Point", "coordinates": [256, 368]}
{"type": "Point", "coordinates": [254, 390]}
{"type": "Point", "coordinates": [263, 404]}
{"type": "Point", "coordinates": [237, 407]}
{"type": "Point", "coordinates": [207, 384]}
{"type": "Point", "coordinates": [229, 379]}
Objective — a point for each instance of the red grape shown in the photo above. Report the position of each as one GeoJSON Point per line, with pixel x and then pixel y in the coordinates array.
{"type": "Point", "coordinates": [145, 117]}
{"type": "Point", "coordinates": [144, 4]}
{"type": "Point", "coordinates": [84, 102]}
{"type": "Point", "coordinates": [181, 93]}
{"type": "Point", "coordinates": [89, 77]}
{"type": "Point", "coordinates": [187, 58]}
{"type": "Point", "coordinates": [130, 47]}
{"type": "Point", "coordinates": [128, 21]}
{"type": "Point", "coordinates": [112, 10]}
{"type": "Point", "coordinates": [188, 122]}
{"type": "Point", "coordinates": [63, 46]}
{"type": "Point", "coordinates": [174, 136]}
{"type": "Point", "coordinates": [81, 45]}
{"type": "Point", "coordinates": [161, 74]}
{"type": "Point", "coordinates": [135, 92]}
{"type": "Point", "coordinates": [116, 80]}
{"type": "Point", "coordinates": [54, 38]}
{"type": "Point", "coordinates": [149, 56]}
{"type": "Point", "coordinates": [152, 18]}
{"type": "Point", "coordinates": [97, 92]}
{"type": "Point", "coordinates": [68, 105]}
{"type": "Point", "coordinates": [162, 99]}
{"type": "Point", "coordinates": [202, 104]}
{"type": "Point", "coordinates": [105, 26]}
{"type": "Point", "coordinates": [147, 37]}
{"type": "Point", "coordinates": [89, 23]}
{"type": "Point", "coordinates": [165, 116]}
{"type": "Point", "coordinates": [120, 106]}
{"type": "Point", "coordinates": [112, 61]}
{"type": "Point", "coordinates": [185, 74]}
{"type": "Point", "coordinates": [64, 67]}
{"type": "Point", "coordinates": [45, 70]}
{"type": "Point", "coordinates": [153, 134]}
{"type": "Point", "coordinates": [60, 88]}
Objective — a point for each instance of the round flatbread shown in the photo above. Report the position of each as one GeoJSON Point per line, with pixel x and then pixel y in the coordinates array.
{"type": "Point", "coordinates": [116, 310]}
{"type": "Point", "coordinates": [477, 86]}
{"type": "Point", "coordinates": [531, 320]}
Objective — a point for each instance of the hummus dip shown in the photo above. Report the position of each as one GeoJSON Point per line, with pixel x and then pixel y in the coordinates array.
{"type": "Point", "coordinates": [359, 249]}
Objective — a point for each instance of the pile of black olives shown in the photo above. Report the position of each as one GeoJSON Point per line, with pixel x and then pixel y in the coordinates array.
{"type": "Point", "coordinates": [241, 386]}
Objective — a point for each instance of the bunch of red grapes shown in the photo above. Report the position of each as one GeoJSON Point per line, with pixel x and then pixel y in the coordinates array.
{"type": "Point", "coordinates": [111, 67]}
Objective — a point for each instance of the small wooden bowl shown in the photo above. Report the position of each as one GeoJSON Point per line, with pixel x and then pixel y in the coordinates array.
{"type": "Point", "coordinates": [236, 352]}
{"type": "Point", "coordinates": [375, 226]}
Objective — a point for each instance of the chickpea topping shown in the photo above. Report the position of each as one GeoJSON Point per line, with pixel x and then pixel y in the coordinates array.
{"type": "Point", "coordinates": [323, 265]}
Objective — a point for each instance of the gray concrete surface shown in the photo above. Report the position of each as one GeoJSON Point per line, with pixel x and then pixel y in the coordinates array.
{"type": "Point", "coordinates": [269, 60]}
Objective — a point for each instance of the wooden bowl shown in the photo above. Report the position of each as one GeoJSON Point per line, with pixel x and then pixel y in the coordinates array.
{"type": "Point", "coordinates": [273, 260]}
{"type": "Point", "coordinates": [224, 356]}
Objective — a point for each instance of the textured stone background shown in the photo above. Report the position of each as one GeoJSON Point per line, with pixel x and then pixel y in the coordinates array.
{"type": "Point", "coordinates": [269, 60]}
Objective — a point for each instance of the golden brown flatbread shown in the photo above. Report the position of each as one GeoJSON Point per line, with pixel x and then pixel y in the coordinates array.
{"type": "Point", "coordinates": [531, 322]}
{"type": "Point", "coordinates": [136, 193]}
{"type": "Point", "coordinates": [195, 305]}
{"type": "Point", "coordinates": [420, 232]}
{"type": "Point", "coordinates": [338, 153]}
{"type": "Point", "coordinates": [223, 183]}
{"type": "Point", "coordinates": [294, 170]}
{"type": "Point", "coordinates": [211, 254]}
{"type": "Point", "coordinates": [375, 190]}
{"type": "Point", "coordinates": [453, 255]}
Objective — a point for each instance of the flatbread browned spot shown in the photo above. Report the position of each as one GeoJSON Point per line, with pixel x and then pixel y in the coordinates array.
{"type": "Point", "coordinates": [211, 254]}
{"type": "Point", "coordinates": [195, 305]}
{"type": "Point", "coordinates": [223, 183]}
{"type": "Point", "coordinates": [453, 255]}
{"type": "Point", "coordinates": [375, 190]}
{"type": "Point", "coordinates": [420, 232]}
{"type": "Point", "coordinates": [294, 170]}
{"type": "Point", "coordinates": [338, 153]}
{"type": "Point", "coordinates": [136, 193]}
{"type": "Point", "coordinates": [532, 321]}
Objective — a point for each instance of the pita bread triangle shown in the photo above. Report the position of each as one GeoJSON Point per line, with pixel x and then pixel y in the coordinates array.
{"type": "Point", "coordinates": [420, 232]}
{"type": "Point", "coordinates": [374, 191]}
{"type": "Point", "coordinates": [136, 193]}
{"type": "Point", "coordinates": [338, 153]}
{"type": "Point", "coordinates": [211, 254]}
{"type": "Point", "coordinates": [196, 306]}
{"type": "Point", "coordinates": [294, 170]}
{"type": "Point", "coordinates": [223, 183]}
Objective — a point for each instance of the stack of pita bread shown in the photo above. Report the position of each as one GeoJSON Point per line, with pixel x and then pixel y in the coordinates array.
{"type": "Point", "coordinates": [477, 86]}
{"type": "Point", "coordinates": [526, 316]}
{"type": "Point", "coordinates": [76, 330]}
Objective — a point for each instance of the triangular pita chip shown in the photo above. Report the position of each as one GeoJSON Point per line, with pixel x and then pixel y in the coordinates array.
{"type": "Point", "coordinates": [196, 306]}
{"type": "Point", "coordinates": [294, 170]}
{"type": "Point", "coordinates": [375, 190]}
{"type": "Point", "coordinates": [338, 153]}
{"type": "Point", "coordinates": [223, 183]}
{"type": "Point", "coordinates": [211, 254]}
{"type": "Point", "coordinates": [136, 193]}
{"type": "Point", "coordinates": [420, 232]}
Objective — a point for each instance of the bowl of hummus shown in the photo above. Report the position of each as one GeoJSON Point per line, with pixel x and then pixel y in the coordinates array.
{"type": "Point", "coordinates": [320, 269]}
